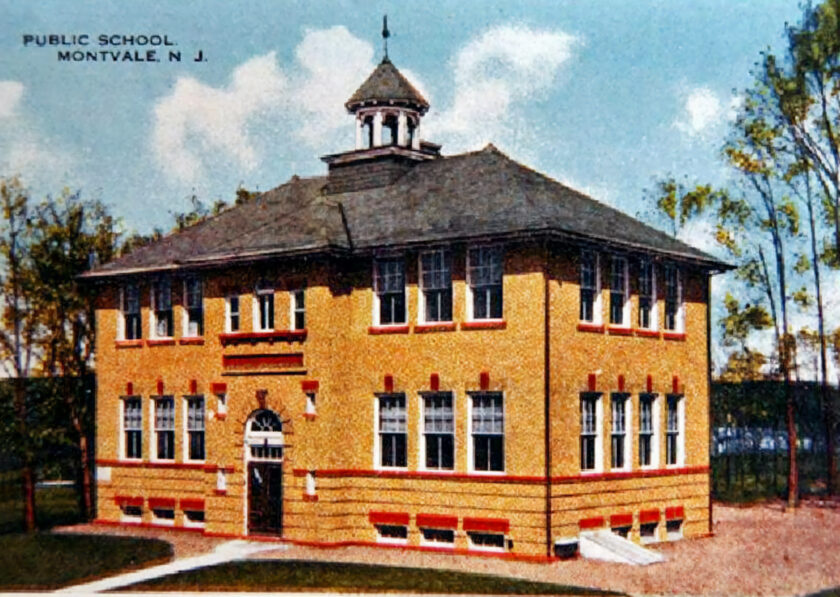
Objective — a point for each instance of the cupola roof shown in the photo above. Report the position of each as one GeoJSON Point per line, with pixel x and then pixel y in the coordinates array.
{"type": "Point", "coordinates": [387, 86]}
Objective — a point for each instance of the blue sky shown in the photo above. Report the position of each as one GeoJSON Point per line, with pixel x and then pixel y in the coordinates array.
{"type": "Point", "coordinates": [604, 96]}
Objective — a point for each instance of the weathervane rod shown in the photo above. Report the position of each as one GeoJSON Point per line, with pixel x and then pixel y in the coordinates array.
{"type": "Point", "coordinates": [385, 34]}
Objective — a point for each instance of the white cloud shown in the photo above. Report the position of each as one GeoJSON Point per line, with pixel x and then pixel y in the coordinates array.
{"type": "Point", "coordinates": [704, 111]}
{"type": "Point", "coordinates": [494, 74]}
{"type": "Point", "coordinates": [10, 94]}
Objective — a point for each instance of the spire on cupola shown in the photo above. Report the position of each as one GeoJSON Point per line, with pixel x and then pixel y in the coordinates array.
{"type": "Point", "coordinates": [387, 106]}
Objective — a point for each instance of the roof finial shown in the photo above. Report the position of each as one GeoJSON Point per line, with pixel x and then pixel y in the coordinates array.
{"type": "Point", "coordinates": [385, 34]}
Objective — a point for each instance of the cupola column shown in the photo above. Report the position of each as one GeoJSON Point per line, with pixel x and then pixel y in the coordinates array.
{"type": "Point", "coordinates": [402, 129]}
{"type": "Point", "coordinates": [360, 132]}
{"type": "Point", "coordinates": [377, 129]}
{"type": "Point", "coordinates": [415, 139]}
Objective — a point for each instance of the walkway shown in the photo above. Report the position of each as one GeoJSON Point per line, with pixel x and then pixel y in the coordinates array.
{"type": "Point", "coordinates": [226, 552]}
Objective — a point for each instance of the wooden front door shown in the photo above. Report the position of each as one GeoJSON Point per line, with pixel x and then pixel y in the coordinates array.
{"type": "Point", "coordinates": [265, 498]}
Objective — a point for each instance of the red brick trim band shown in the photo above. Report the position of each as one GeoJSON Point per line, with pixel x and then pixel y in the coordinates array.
{"type": "Point", "coordinates": [596, 522]}
{"type": "Point", "coordinates": [192, 504]}
{"type": "Point", "coordinates": [156, 503]}
{"type": "Point", "coordinates": [679, 336]}
{"type": "Point", "coordinates": [437, 521]}
{"type": "Point", "coordinates": [642, 333]}
{"type": "Point", "coordinates": [621, 520]}
{"type": "Point", "coordinates": [648, 516]}
{"type": "Point", "coordinates": [272, 336]}
{"type": "Point", "coordinates": [299, 472]}
{"type": "Point", "coordinates": [125, 500]}
{"type": "Point", "coordinates": [425, 328]}
{"type": "Point", "coordinates": [398, 518]}
{"type": "Point", "coordinates": [388, 329]}
{"type": "Point", "coordinates": [161, 342]}
{"type": "Point", "coordinates": [595, 328]}
{"type": "Point", "coordinates": [292, 359]}
{"type": "Point", "coordinates": [619, 331]}
{"type": "Point", "coordinates": [493, 525]}
{"type": "Point", "coordinates": [193, 341]}
{"type": "Point", "coordinates": [483, 325]}
{"type": "Point", "coordinates": [309, 385]}
{"type": "Point", "coordinates": [128, 344]}
{"type": "Point", "coordinates": [675, 513]}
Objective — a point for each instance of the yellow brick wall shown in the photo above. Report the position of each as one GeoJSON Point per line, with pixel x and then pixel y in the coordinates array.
{"type": "Point", "coordinates": [350, 365]}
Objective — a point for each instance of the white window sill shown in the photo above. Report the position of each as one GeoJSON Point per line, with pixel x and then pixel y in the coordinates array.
{"type": "Point", "coordinates": [390, 541]}
{"type": "Point", "coordinates": [163, 522]}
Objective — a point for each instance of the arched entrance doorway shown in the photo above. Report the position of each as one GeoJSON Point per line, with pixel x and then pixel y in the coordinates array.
{"type": "Point", "coordinates": [264, 455]}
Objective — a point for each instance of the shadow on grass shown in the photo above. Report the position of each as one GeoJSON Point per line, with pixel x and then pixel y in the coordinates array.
{"type": "Point", "coordinates": [41, 561]}
{"type": "Point", "coordinates": [293, 575]}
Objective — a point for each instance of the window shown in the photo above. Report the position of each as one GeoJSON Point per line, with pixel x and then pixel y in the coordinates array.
{"type": "Point", "coordinates": [674, 529]}
{"type": "Point", "coordinates": [437, 536]}
{"type": "Point", "coordinates": [392, 431]}
{"type": "Point", "coordinates": [439, 431]}
{"type": "Point", "coordinates": [589, 291]}
{"type": "Point", "coordinates": [618, 431]}
{"type": "Point", "coordinates": [488, 432]}
{"type": "Point", "coordinates": [233, 316]}
{"type": "Point", "coordinates": [590, 431]}
{"type": "Point", "coordinates": [133, 428]}
{"type": "Point", "coordinates": [647, 295]}
{"type": "Point", "coordinates": [194, 518]}
{"type": "Point", "coordinates": [392, 533]}
{"type": "Point", "coordinates": [165, 428]}
{"type": "Point", "coordinates": [673, 300]}
{"type": "Point", "coordinates": [195, 427]}
{"type": "Point", "coordinates": [193, 308]}
{"type": "Point", "coordinates": [162, 308]}
{"type": "Point", "coordinates": [164, 516]}
{"type": "Point", "coordinates": [436, 286]}
{"type": "Point", "coordinates": [673, 447]}
{"type": "Point", "coordinates": [389, 287]}
{"type": "Point", "coordinates": [131, 513]}
{"type": "Point", "coordinates": [618, 292]}
{"type": "Point", "coordinates": [310, 482]}
{"type": "Point", "coordinates": [484, 273]}
{"type": "Point", "coordinates": [647, 430]}
{"type": "Point", "coordinates": [486, 541]}
{"type": "Point", "coordinates": [310, 403]}
{"type": "Point", "coordinates": [221, 404]}
{"type": "Point", "coordinates": [647, 532]}
{"type": "Point", "coordinates": [298, 317]}
{"type": "Point", "coordinates": [264, 308]}
{"type": "Point", "coordinates": [132, 327]}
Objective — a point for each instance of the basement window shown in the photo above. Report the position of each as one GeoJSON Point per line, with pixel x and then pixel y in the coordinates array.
{"type": "Point", "coordinates": [674, 529]}
{"type": "Point", "coordinates": [487, 541]}
{"type": "Point", "coordinates": [622, 531]}
{"type": "Point", "coordinates": [194, 518]}
{"type": "Point", "coordinates": [437, 536]}
{"type": "Point", "coordinates": [392, 533]}
{"type": "Point", "coordinates": [164, 516]}
{"type": "Point", "coordinates": [131, 513]}
{"type": "Point", "coordinates": [647, 532]}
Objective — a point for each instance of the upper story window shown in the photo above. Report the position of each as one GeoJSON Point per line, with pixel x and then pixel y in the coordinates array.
{"type": "Point", "coordinates": [298, 306]}
{"type": "Point", "coordinates": [619, 302]}
{"type": "Point", "coordinates": [162, 308]}
{"type": "Point", "coordinates": [673, 299]}
{"type": "Point", "coordinates": [195, 427]}
{"type": "Point", "coordinates": [436, 285]}
{"type": "Point", "coordinates": [193, 308]}
{"type": "Point", "coordinates": [234, 315]}
{"type": "Point", "coordinates": [590, 432]}
{"type": "Point", "coordinates": [264, 308]}
{"type": "Point", "coordinates": [484, 273]}
{"type": "Point", "coordinates": [132, 328]}
{"type": "Point", "coordinates": [674, 449]}
{"type": "Point", "coordinates": [164, 428]}
{"type": "Point", "coordinates": [439, 431]}
{"type": "Point", "coordinates": [132, 427]}
{"type": "Point", "coordinates": [647, 295]}
{"type": "Point", "coordinates": [589, 288]}
{"type": "Point", "coordinates": [488, 432]}
{"type": "Point", "coordinates": [389, 290]}
{"type": "Point", "coordinates": [392, 431]}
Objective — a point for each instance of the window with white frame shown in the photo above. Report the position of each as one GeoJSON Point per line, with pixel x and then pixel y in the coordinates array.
{"type": "Point", "coordinates": [435, 536]}
{"type": "Point", "coordinates": [194, 518]}
{"type": "Point", "coordinates": [647, 295]}
{"type": "Point", "coordinates": [673, 431]}
{"type": "Point", "coordinates": [590, 432]}
{"type": "Point", "coordinates": [264, 308]}
{"type": "Point", "coordinates": [648, 441]}
{"type": "Point", "coordinates": [195, 428]}
{"type": "Point", "coordinates": [435, 286]}
{"type": "Point", "coordinates": [392, 431]}
{"type": "Point", "coordinates": [221, 403]}
{"type": "Point", "coordinates": [488, 432]}
{"type": "Point", "coordinates": [310, 403]}
{"type": "Point", "coordinates": [589, 288]}
{"type": "Point", "coordinates": [164, 428]}
{"type": "Point", "coordinates": [234, 320]}
{"type": "Point", "coordinates": [298, 306]}
{"type": "Point", "coordinates": [619, 404]}
{"type": "Point", "coordinates": [132, 328]}
{"type": "Point", "coordinates": [193, 308]}
{"type": "Point", "coordinates": [485, 269]}
{"type": "Point", "coordinates": [310, 482]}
{"type": "Point", "coordinates": [132, 427]}
{"type": "Point", "coordinates": [618, 292]}
{"type": "Point", "coordinates": [673, 299]}
{"type": "Point", "coordinates": [389, 290]}
{"type": "Point", "coordinates": [392, 533]}
{"type": "Point", "coordinates": [438, 431]}
{"type": "Point", "coordinates": [485, 541]}
{"type": "Point", "coordinates": [162, 308]}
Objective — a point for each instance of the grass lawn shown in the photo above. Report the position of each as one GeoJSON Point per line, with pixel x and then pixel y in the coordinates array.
{"type": "Point", "coordinates": [42, 561]}
{"type": "Point", "coordinates": [292, 575]}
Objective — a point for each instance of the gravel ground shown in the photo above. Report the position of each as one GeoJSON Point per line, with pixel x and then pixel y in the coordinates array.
{"type": "Point", "coordinates": [760, 550]}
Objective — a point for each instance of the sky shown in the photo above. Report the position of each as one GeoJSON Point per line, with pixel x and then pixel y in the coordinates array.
{"type": "Point", "coordinates": [605, 96]}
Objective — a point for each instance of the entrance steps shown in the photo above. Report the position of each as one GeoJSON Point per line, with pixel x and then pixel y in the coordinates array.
{"type": "Point", "coordinates": [607, 546]}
